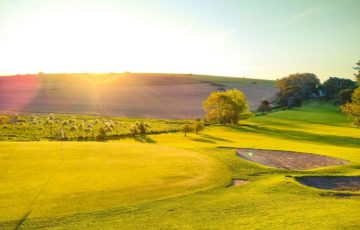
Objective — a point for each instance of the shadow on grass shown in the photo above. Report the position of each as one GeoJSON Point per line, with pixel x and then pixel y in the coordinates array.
{"type": "Point", "coordinates": [215, 138]}
{"type": "Point", "coordinates": [303, 136]}
{"type": "Point", "coordinates": [144, 139]}
{"type": "Point", "coordinates": [199, 139]}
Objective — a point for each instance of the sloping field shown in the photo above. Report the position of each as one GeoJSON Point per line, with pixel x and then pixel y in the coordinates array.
{"type": "Point", "coordinates": [52, 178]}
{"type": "Point", "coordinates": [132, 95]}
{"type": "Point", "coordinates": [131, 185]}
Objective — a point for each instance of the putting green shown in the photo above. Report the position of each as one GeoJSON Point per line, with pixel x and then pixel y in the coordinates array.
{"type": "Point", "coordinates": [92, 176]}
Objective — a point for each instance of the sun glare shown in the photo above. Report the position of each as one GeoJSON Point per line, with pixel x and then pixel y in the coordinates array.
{"type": "Point", "coordinates": [103, 41]}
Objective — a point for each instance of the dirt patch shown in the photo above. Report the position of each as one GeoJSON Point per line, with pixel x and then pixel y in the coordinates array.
{"type": "Point", "coordinates": [339, 183]}
{"type": "Point", "coordinates": [288, 160]}
{"type": "Point", "coordinates": [238, 182]}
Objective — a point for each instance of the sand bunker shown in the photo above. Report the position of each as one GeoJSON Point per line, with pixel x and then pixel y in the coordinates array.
{"type": "Point", "coordinates": [238, 182]}
{"type": "Point", "coordinates": [339, 183]}
{"type": "Point", "coordinates": [288, 160]}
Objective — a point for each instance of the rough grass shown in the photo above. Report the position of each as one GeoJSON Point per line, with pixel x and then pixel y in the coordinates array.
{"type": "Point", "coordinates": [76, 127]}
{"type": "Point", "coordinates": [272, 200]}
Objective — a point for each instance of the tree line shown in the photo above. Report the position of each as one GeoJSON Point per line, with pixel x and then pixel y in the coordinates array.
{"type": "Point", "coordinates": [228, 107]}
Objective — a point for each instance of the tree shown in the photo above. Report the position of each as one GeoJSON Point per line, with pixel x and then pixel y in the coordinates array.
{"type": "Point", "coordinates": [142, 127]}
{"type": "Point", "coordinates": [102, 133]}
{"type": "Point", "coordinates": [198, 126]}
{"type": "Point", "coordinates": [353, 108]}
{"type": "Point", "coordinates": [139, 128]}
{"type": "Point", "coordinates": [186, 129]}
{"type": "Point", "coordinates": [133, 130]}
{"type": "Point", "coordinates": [334, 85]}
{"type": "Point", "coordinates": [264, 107]}
{"type": "Point", "coordinates": [297, 87]}
{"type": "Point", "coordinates": [226, 107]}
{"type": "Point", "coordinates": [343, 96]}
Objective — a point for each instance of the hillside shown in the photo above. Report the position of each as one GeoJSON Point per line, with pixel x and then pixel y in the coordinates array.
{"type": "Point", "coordinates": [168, 181]}
{"type": "Point", "coordinates": [127, 94]}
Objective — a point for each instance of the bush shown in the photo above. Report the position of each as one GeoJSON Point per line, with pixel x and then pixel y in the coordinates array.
{"type": "Point", "coordinates": [264, 107]}
{"type": "Point", "coordinates": [142, 127]}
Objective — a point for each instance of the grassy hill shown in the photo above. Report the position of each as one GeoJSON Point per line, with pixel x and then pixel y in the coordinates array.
{"type": "Point", "coordinates": [177, 182]}
{"type": "Point", "coordinates": [128, 94]}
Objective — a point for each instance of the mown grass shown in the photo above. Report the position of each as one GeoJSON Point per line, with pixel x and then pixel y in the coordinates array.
{"type": "Point", "coordinates": [54, 178]}
{"type": "Point", "coordinates": [273, 199]}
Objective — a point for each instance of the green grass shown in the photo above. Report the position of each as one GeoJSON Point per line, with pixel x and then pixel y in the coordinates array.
{"type": "Point", "coordinates": [92, 176]}
{"type": "Point", "coordinates": [76, 127]}
{"type": "Point", "coordinates": [85, 191]}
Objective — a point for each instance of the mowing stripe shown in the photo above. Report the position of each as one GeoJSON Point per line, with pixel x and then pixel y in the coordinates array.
{"type": "Point", "coordinates": [44, 186]}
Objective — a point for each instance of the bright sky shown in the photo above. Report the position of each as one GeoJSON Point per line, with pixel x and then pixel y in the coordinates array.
{"type": "Point", "coordinates": [253, 38]}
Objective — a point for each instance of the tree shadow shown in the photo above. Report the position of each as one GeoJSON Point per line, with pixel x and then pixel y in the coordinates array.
{"type": "Point", "coordinates": [199, 139]}
{"type": "Point", "coordinates": [144, 139]}
{"type": "Point", "coordinates": [215, 138]}
{"type": "Point", "coordinates": [303, 136]}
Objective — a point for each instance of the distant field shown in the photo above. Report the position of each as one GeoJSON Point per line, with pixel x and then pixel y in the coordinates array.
{"type": "Point", "coordinates": [177, 182]}
{"type": "Point", "coordinates": [130, 95]}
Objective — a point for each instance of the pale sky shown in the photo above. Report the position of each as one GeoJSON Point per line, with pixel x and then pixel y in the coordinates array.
{"type": "Point", "coordinates": [261, 39]}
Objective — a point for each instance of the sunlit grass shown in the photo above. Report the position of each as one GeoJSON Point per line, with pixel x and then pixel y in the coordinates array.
{"type": "Point", "coordinates": [272, 199]}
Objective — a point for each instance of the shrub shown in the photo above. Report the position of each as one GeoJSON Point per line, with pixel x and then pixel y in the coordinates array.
{"type": "Point", "coordinates": [264, 107]}
{"type": "Point", "coordinates": [142, 127]}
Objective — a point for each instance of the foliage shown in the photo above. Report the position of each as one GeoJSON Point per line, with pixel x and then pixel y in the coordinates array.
{"type": "Point", "coordinates": [297, 87]}
{"type": "Point", "coordinates": [38, 127]}
{"type": "Point", "coordinates": [343, 96]}
{"type": "Point", "coordinates": [353, 108]}
{"type": "Point", "coordinates": [186, 129]}
{"type": "Point", "coordinates": [198, 126]}
{"type": "Point", "coordinates": [225, 107]}
{"type": "Point", "coordinates": [142, 127]}
{"type": "Point", "coordinates": [334, 85]}
{"type": "Point", "coordinates": [264, 107]}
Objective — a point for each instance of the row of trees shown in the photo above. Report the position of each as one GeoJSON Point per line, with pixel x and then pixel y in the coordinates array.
{"type": "Point", "coordinates": [197, 127]}
{"type": "Point", "coordinates": [296, 88]}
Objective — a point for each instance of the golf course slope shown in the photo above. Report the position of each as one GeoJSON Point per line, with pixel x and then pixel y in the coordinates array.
{"type": "Point", "coordinates": [192, 182]}
{"type": "Point", "coordinates": [52, 179]}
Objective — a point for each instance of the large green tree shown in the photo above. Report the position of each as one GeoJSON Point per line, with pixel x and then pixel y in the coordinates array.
{"type": "Point", "coordinates": [334, 85]}
{"type": "Point", "coordinates": [226, 107]}
{"type": "Point", "coordinates": [295, 88]}
{"type": "Point", "coordinates": [353, 107]}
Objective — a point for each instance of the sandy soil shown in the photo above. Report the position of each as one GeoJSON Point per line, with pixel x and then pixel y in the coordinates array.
{"type": "Point", "coordinates": [339, 183]}
{"type": "Point", "coordinates": [288, 160]}
{"type": "Point", "coordinates": [238, 182]}
{"type": "Point", "coordinates": [133, 95]}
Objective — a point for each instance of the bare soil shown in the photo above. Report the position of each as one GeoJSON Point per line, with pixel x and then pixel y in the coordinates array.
{"type": "Point", "coordinates": [238, 182]}
{"type": "Point", "coordinates": [169, 96]}
{"type": "Point", "coordinates": [288, 160]}
{"type": "Point", "coordinates": [339, 183]}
